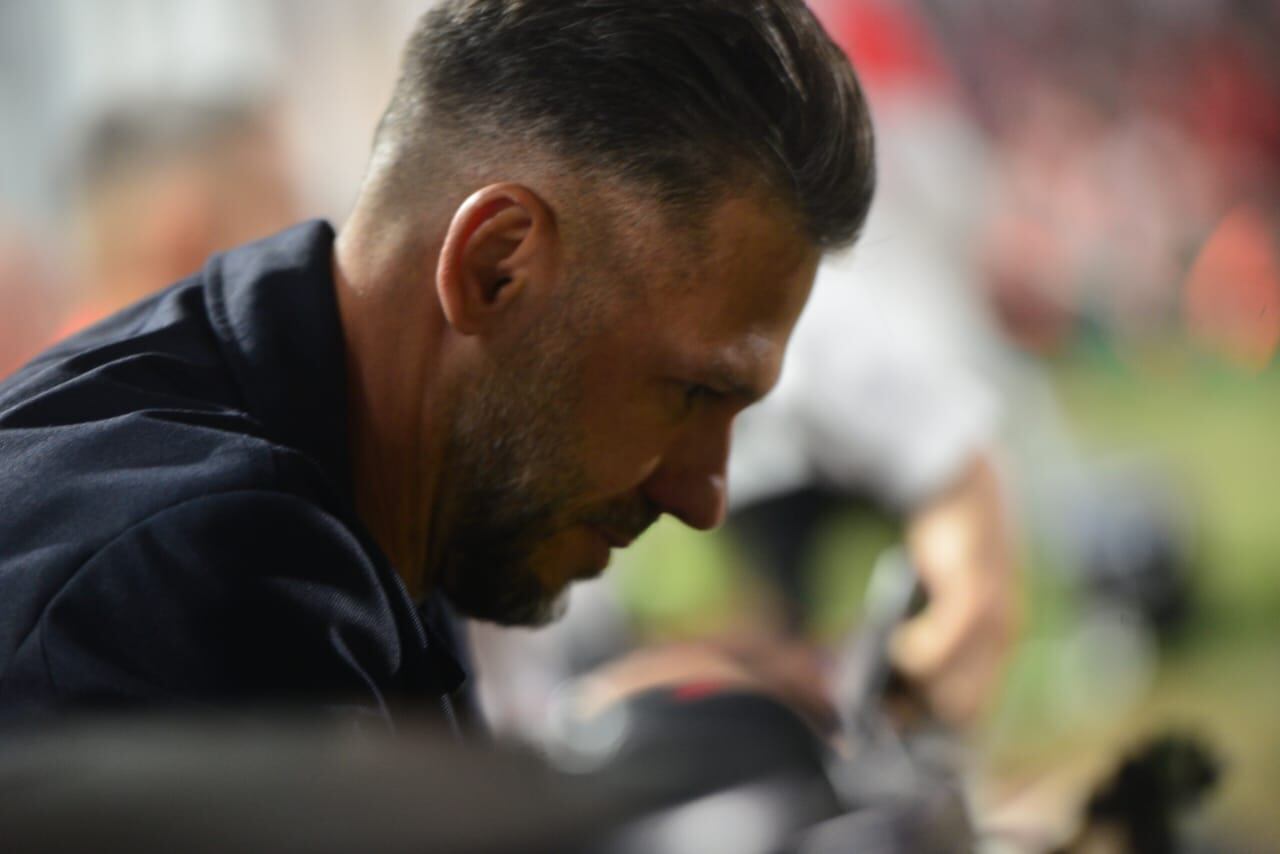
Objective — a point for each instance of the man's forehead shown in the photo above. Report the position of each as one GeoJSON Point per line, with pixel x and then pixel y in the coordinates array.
{"type": "Point", "coordinates": [744, 366]}
{"type": "Point", "coordinates": [734, 304]}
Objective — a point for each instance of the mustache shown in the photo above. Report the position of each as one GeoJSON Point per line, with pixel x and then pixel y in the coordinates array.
{"type": "Point", "coordinates": [627, 518]}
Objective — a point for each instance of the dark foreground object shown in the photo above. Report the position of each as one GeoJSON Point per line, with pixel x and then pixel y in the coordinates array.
{"type": "Point", "coordinates": [152, 787]}
{"type": "Point", "coordinates": [1150, 791]}
{"type": "Point", "coordinates": [670, 771]}
{"type": "Point", "coordinates": [731, 773]}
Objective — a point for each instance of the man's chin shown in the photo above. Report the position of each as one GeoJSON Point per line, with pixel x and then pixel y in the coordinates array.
{"type": "Point", "coordinates": [529, 612]}
{"type": "Point", "coordinates": [535, 614]}
{"type": "Point", "coordinates": [531, 590]}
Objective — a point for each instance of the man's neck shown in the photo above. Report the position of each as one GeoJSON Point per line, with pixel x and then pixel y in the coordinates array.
{"type": "Point", "coordinates": [395, 453]}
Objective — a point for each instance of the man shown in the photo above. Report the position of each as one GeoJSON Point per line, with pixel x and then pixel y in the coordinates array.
{"type": "Point", "coordinates": [881, 403]}
{"type": "Point", "coordinates": [586, 231]}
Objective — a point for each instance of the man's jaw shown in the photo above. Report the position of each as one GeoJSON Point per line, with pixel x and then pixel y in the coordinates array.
{"type": "Point", "coordinates": [578, 551]}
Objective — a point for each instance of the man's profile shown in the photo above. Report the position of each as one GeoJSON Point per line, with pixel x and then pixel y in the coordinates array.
{"type": "Point", "coordinates": [586, 231]}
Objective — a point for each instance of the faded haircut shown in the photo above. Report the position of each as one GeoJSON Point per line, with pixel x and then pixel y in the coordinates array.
{"type": "Point", "coordinates": [683, 99]}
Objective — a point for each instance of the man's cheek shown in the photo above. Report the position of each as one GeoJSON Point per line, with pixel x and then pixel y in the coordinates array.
{"type": "Point", "coordinates": [625, 446]}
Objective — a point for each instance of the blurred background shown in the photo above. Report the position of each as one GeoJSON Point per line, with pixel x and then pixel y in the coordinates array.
{"type": "Point", "coordinates": [1077, 238]}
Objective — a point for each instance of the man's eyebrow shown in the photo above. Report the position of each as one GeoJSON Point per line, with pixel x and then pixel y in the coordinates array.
{"type": "Point", "coordinates": [744, 371]}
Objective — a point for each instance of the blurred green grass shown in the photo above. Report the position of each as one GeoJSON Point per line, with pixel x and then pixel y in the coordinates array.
{"type": "Point", "coordinates": [1218, 433]}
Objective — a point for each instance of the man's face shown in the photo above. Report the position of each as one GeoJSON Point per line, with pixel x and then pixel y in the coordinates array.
{"type": "Point", "coordinates": [618, 408]}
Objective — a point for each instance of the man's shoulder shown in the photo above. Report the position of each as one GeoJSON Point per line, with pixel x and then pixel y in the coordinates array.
{"type": "Point", "coordinates": [158, 353]}
{"type": "Point", "coordinates": [237, 596]}
{"type": "Point", "coordinates": [154, 406]}
{"type": "Point", "coordinates": [181, 526]}
{"type": "Point", "coordinates": [152, 511]}
{"type": "Point", "coordinates": [71, 489]}
{"type": "Point", "coordinates": [128, 419]}
{"type": "Point", "coordinates": [178, 515]}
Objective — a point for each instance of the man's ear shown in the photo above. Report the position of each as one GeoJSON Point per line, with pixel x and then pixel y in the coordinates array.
{"type": "Point", "coordinates": [501, 239]}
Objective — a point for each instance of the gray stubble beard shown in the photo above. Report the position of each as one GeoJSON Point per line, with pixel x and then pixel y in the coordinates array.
{"type": "Point", "coordinates": [514, 476]}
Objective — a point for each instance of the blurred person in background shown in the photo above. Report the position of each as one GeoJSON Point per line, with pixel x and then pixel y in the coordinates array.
{"type": "Point", "coordinates": [261, 485]}
{"type": "Point", "coordinates": [27, 314]}
{"type": "Point", "coordinates": [1122, 205]}
{"type": "Point", "coordinates": [159, 185]}
{"type": "Point", "coordinates": [864, 414]}
{"type": "Point", "coordinates": [882, 400]}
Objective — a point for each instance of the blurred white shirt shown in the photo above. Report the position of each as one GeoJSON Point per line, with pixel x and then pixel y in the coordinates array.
{"type": "Point", "coordinates": [866, 401]}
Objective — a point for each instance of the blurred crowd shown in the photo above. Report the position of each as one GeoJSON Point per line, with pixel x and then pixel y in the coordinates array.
{"type": "Point", "coordinates": [1120, 159]}
{"type": "Point", "coordinates": [144, 135]}
{"type": "Point", "coordinates": [1129, 141]}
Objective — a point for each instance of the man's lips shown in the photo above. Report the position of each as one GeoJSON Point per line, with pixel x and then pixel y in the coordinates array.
{"type": "Point", "coordinates": [615, 539]}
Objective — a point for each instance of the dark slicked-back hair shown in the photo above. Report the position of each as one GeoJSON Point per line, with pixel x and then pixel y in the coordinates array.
{"type": "Point", "coordinates": [686, 99]}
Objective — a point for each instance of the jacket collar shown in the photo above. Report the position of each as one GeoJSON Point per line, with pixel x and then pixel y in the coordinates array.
{"type": "Point", "coordinates": [274, 308]}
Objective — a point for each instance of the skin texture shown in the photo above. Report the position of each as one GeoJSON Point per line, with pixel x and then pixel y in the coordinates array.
{"type": "Point", "coordinates": [535, 376]}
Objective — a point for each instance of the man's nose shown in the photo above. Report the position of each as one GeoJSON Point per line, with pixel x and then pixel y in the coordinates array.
{"type": "Point", "coordinates": [691, 482]}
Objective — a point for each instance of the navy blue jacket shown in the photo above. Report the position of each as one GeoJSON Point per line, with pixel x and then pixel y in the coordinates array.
{"type": "Point", "coordinates": [176, 516]}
